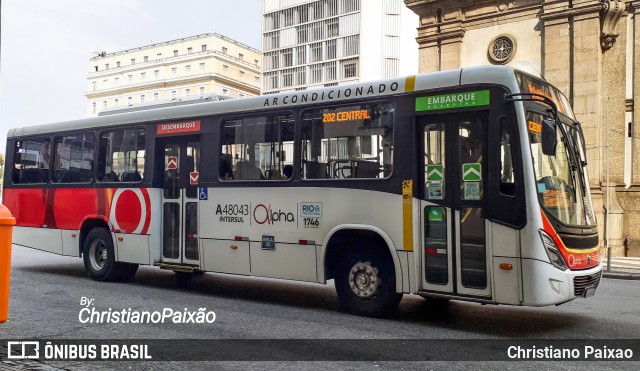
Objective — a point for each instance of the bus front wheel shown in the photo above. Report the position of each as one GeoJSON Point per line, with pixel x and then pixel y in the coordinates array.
{"type": "Point", "coordinates": [99, 258]}
{"type": "Point", "coordinates": [366, 284]}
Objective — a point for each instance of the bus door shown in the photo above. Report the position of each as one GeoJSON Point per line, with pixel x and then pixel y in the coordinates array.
{"type": "Point", "coordinates": [454, 250]}
{"type": "Point", "coordinates": [181, 164]}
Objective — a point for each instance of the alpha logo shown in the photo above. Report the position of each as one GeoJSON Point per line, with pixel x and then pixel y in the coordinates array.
{"type": "Point", "coordinates": [264, 214]}
{"type": "Point", "coordinates": [23, 349]}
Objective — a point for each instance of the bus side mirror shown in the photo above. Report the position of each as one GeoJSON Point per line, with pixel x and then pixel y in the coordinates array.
{"type": "Point", "coordinates": [549, 138]}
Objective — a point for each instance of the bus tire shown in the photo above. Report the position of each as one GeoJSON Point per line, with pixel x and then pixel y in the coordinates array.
{"type": "Point", "coordinates": [366, 284]}
{"type": "Point", "coordinates": [99, 258]}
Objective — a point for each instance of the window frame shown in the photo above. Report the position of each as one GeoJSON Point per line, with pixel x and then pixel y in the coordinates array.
{"type": "Point", "coordinates": [54, 143]}
{"type": "Point", "coordinates": [97, 155]}
{"type": "Point", "coordinates": [224, 119]}
{"type": "Point", "coordinates": [11, 167]}
{"type": "Point", "coordinates": [300, 139]}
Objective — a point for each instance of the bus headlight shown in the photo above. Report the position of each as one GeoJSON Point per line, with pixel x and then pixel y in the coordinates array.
{"type": "Point", "coordinates": [552, 251]}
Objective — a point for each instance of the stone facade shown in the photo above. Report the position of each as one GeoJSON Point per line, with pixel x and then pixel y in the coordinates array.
{"type": "Point", "coordinates": [581, 47]}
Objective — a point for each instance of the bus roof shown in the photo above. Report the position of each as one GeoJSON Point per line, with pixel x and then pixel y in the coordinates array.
{"type": "Point", "coordinates": [500, 75]}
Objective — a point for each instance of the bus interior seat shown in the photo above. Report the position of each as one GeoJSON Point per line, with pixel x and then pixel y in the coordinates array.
{"type": "Point", "coordinates": [316, 170]}
{"type": "Point", "coordinates": [32, 175]}
{"type": "Point", "coordinates": [111, 177]}
{"type": "Point", "coordinates": [131, 176]}
{"type": "Point", "coordinates": [245, 170]}
{"type": "Point", "coordinates": [367, 169]}
{"type": "Point", "coordinates": [288, 171]}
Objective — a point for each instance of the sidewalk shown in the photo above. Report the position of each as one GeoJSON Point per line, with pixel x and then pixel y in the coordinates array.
{"type": "Point", "coordinates": [625, 268]}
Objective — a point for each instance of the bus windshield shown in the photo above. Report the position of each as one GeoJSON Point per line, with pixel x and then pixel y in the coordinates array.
{"type": "Point", "coordinates": [560, 179]}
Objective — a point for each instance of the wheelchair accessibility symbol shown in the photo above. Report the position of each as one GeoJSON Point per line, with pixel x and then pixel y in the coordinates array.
{"type": "Point", "coordinates": [203, 194]}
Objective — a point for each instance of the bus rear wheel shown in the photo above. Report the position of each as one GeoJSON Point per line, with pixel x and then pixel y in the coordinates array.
{"type": "Point", "coordinates": [99, 258]}
{"type": "Point", "coordinates": [366, 284]}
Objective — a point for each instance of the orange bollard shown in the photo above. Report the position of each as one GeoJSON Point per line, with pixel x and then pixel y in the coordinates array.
{"type": "Point", "coordinates": [7, 221]}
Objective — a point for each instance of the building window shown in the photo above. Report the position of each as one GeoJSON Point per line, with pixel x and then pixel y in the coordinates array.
{"type": "Point", "coordinates": [116, 80]}
{"type": "Point", "coordinates": [159, 55]}
{"type": "Point", "coordinates": [115, 102]}
{"type": "Point", "coordinates": [241, 95]}
{"type": "Point", "coordinates": [94, 85]}
{"type": "Point", "coordinates": [241, 56]}
{"type": "Point", "coordinates": [187, 68]}
{"type": "Point", "coordinates": [225, 91]}
{"type": "Point", "coordinates": [332, 27]}
{"type": "Point", "coordinates": [224, 50]}
{"type": "Point", "coordinates": [287, 78]}
{"type": "Point", "coordinates": [187, 92]}
{"type": "Point", "coordinates": [143, 75]}
{"type": "Point", "coordinates": [142, 98]}
{"type": "Point", "coordinates": [174, 94]}
{"type": "Point", "coordinates": [118, 64]}
{"type": "Point", "coordinates": [287, 57]}
{"type": "Point", "coordinates": [201, 90]}
{"type": "Point", "coordinates": [204, 48]}
{"type": "Point", "coordinates": [255, 61]}
{"type": "Point", "coordinates": [502, 49]}
{"type": "Point", "coordinates": [174, 70]}
{"type": "Point", "coordinates": [349, 70]}
{"type": "Point", "coordinates": [129, 100]}
{"type": "Point", "coordinates": [146, 58]}
{"type": "Point", "coordinates": [130, 78]}
{"type": "Point", "coordinates": [350, 45]}
{"type": "Point", "coordinates": [301, 56]}
{"type": "Point", "coordinates": [331, 71]}
{"type": "Point", "coordinates": [156, 73]}
{"type": "Point", "coordinates": [350, 5]}
{"type": "Point", "coordinates": [241, 74]}
{"type": "Point", "coordinates": [331, 49]}
{"type": "Point", "coordinates": [104, 104]}
{"type": "Point", "coordinates": [225, 67]}
{"type": "Point", "coordinates": [133, 61]}
{"type": "Point", "coordinates": [316, 52]}
{"type": "Point", "coordinates": [175, 53]}
{"type": "Point", "coordinates": [316, 73]}
{"type": "Point", "coordinates": [93, 107]}
{"type": "Point", "coordinates": [106, 66]}
{"type": "Point", "coordinates": [156, 96]}
{"type": "Point", "coordinates": [95, 68]}
{"type": "Point", "coordinates": [189, 50]}
{"type": "Point", "coordinates": [202, 66]}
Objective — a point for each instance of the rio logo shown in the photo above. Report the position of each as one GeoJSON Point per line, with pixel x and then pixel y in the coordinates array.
{"type": "Point", "coordinates": [263, 214]}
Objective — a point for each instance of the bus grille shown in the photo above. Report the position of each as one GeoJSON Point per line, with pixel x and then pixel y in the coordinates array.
{"type": "Point", "coordinates": [580, 283]}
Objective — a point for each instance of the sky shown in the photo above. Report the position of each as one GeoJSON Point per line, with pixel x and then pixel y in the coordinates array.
{"type": "Point", "coordinates": [46, 46]}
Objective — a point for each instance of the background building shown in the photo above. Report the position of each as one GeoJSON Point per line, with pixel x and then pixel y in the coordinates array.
{"type": "Point", "coordinates": [328, 42]}
{"type": "Point", "coordinates": [202, 64]}
{"type": "Point", "coordinates": [590, 49]}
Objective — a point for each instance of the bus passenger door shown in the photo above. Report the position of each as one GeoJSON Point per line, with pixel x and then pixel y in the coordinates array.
{"type": "Point", "coordinates": [181, 159]}
{"type": "Point", "coordinates": [454, 239]}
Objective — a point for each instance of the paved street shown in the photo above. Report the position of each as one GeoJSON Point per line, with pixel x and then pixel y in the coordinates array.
{"type": "Point", "coordinates": [47, 289]}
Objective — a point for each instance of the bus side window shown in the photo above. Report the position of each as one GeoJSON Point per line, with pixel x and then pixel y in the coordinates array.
{"type": "Point", "coordinates": [121, 156]}
{"type": "Point", "coordinates": [257, 148]}
{"type": "Point", "coordinates": [31, 161]}
{"type": "Point", "coordinates": [507, 179]}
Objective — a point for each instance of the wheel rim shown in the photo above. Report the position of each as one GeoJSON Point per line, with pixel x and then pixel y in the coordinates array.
{"type": "Point", "coordinates": [364, 280]}
{"type": "Point", "coordinates": [98, 254]}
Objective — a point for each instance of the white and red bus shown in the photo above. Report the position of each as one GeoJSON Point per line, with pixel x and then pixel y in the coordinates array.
{"type": "Point", "coordinates": [466, 184]}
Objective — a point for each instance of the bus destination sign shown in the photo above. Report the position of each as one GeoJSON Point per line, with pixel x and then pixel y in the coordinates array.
{"type": "Point", "coordinates": [454, 100]}
{"type": "Point", "coordinates": [169, 128]}
{"type": "Point", "coordinates": [331, 117]}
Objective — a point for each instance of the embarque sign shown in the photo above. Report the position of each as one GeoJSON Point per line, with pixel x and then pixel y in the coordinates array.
{"type": "Point", "coordinates": [454, 100]}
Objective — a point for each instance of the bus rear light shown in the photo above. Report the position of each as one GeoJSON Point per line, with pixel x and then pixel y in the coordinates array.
{"type": "Point", "coordinates": [506, 266]}
{"type": "Point", "coordinates": [306, 242]}
{"type": "Point", "coordinates": [552, 251]}
{"type": "Point", "coordinates": [233, 247]}
{"type": "Point", "coordinates": [240, 238]}
{"type": "Point", "coordinates": [432, 251]}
